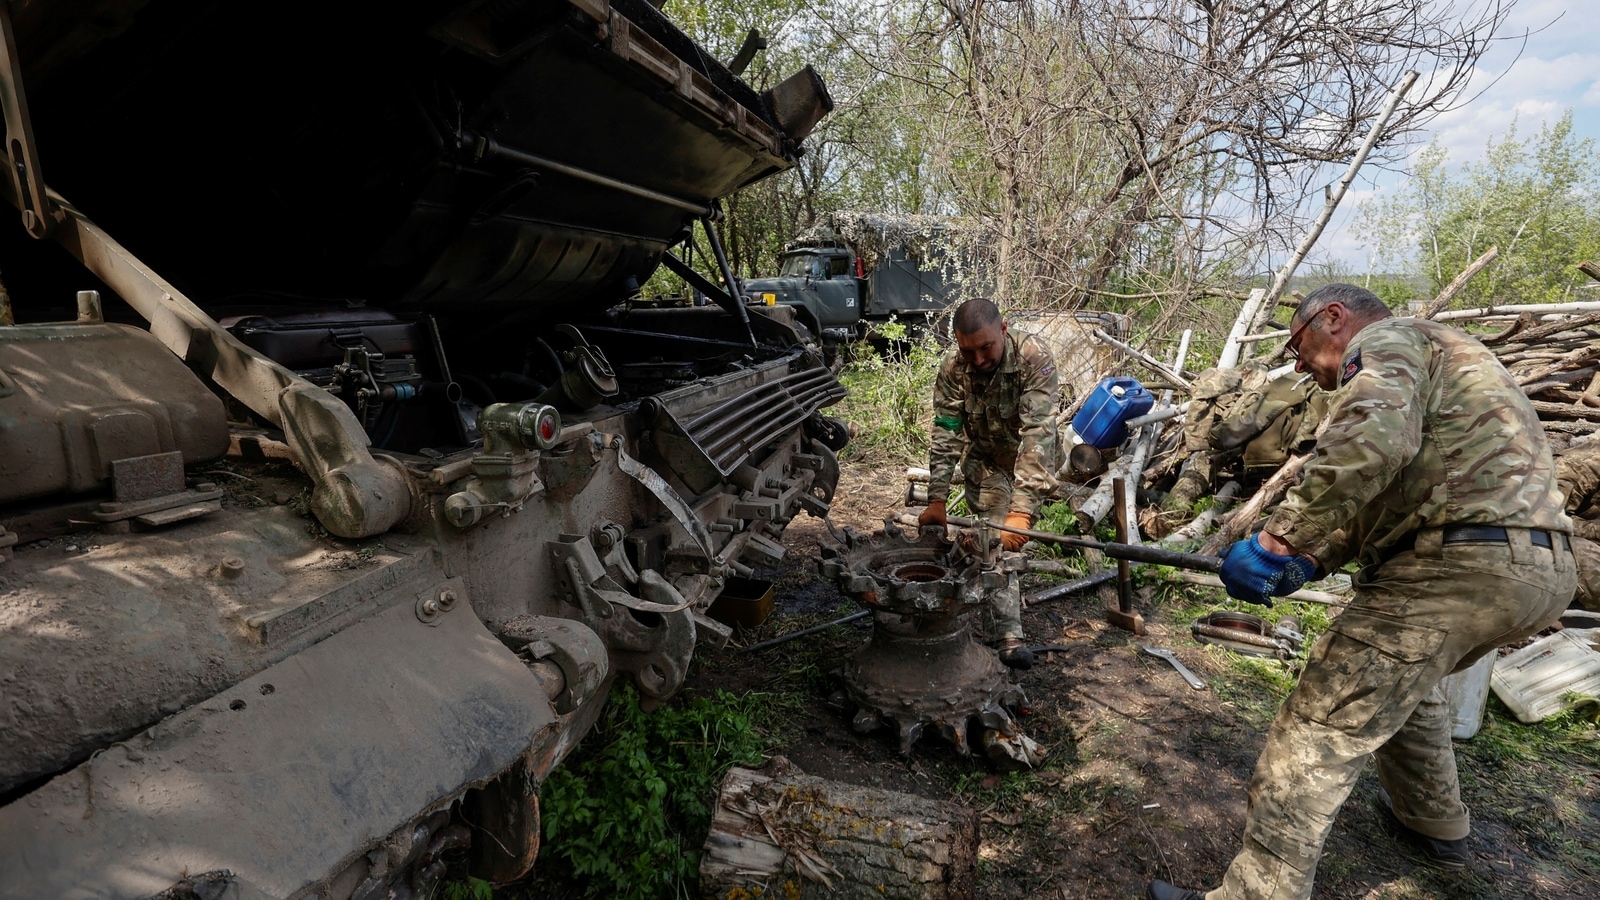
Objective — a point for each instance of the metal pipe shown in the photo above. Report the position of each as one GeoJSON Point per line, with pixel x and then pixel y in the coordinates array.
{"type": "Point", "coordinates": [805, 631]}
{"type": "Point", "coordinates": [488, 146]}
{"type": "Point", "coordinates": [1072, 587]}
{"type": "Point", "coordinates": [727, 273]}
{"type": "Point", "coordinates": [1132, 552]}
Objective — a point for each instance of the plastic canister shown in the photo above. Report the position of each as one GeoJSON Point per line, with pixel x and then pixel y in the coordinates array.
{"type": "Point", "coordinates": [1115, 400]}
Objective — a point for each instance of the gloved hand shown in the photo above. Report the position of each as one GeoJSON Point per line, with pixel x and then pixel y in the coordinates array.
{"type": "Point", "coordinates": [1014, 542]}
{"type": "Point", "coordinates": [1253, 574]}
{"type": "Point", "coordinates": [933, 515]}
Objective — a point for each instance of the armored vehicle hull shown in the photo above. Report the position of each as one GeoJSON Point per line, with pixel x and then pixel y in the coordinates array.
{"type": "Point", "coordinates": [339, 479]}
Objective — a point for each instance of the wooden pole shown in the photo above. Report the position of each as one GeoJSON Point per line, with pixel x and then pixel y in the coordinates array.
{"type": "Point", "coordinates": [1332, 197]}
{"type": "Point", "coordinates": [1437, 305]}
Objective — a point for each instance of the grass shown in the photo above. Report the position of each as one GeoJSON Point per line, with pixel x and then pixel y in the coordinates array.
{"type": "Point", "coordinates": [891, 402]}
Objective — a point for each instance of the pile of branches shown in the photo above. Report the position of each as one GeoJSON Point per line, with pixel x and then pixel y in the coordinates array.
{"type": "Point", "coordinates": [1557, 364]}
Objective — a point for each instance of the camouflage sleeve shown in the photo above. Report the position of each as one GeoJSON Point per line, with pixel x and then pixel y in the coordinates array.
{"type": "Point", "coordinates": [1374, 429]}
{"type": "Point", "coordinates": [949, 439]}
{"type": "Point", "coordinates": [1033, 478]}
{"type": "Point", "coordinates": [1578, 473]}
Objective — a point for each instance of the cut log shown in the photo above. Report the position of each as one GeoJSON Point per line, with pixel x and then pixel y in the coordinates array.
{"type": "Point", "coordinates": [790, 835]}
{"type": "Point", "coordinates": [1237, 524]}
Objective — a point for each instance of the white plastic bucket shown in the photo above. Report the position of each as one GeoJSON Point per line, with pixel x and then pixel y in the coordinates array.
{"type": "Point", "coordinates": [1468, 691]}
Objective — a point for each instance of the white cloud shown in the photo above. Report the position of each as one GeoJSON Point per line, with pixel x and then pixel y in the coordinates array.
{"type": "Point", "coordinates": [1557, 70]}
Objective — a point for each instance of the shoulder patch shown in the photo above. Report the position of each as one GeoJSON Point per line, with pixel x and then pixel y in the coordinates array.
{"type": "Point", "coordinates": [1351, 367]}
{"type": "Point", "coordinates": [1048, 370]}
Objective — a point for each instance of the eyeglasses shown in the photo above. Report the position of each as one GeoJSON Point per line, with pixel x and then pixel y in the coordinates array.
{"type": "Point", "coordinates": [1292, 349]}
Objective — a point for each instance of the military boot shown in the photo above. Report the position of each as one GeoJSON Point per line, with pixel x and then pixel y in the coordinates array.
{"type": "Point", "coordinates": [1160, 890]}
{"type": "Point", "coordinates": [1443, 854]}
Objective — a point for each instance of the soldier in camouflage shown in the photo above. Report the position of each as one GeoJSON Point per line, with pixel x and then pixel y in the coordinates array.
{"type": "Point", "coordinates": [1433, 471]}
{"type": "Point", "coordinates": [994, 406]}
{"type": "Point", "coordinates": [1578, 473]}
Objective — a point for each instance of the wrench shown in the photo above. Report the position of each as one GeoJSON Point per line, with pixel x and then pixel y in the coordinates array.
{"type": "Point", "coordinates": [1193, 679]}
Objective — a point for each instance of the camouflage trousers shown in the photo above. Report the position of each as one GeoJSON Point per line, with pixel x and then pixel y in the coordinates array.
{"type": "Point", "coordinates": [1588, 556]}
{"type": "Point", "coordinates": [988, 490]}
{"type": "Point", "coordinates": [1372, 688]}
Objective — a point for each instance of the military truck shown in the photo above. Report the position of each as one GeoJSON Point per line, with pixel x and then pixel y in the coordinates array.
{"type": "Point", "coordinates": [339, 480]}
{"type": "Point", "coordinates": [858, 271]}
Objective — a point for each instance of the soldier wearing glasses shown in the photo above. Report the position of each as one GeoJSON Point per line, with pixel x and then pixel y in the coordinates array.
{"type": "Point", "coordinates": [1434, 472]}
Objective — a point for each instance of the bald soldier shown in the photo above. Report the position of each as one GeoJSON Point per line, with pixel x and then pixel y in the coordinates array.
{"type": "Point", "coordinates": [994, 406]}
{"type": "Point", "coordinates": [1433, 471]}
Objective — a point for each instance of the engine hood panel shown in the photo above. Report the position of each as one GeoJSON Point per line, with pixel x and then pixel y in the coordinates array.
{"type": "Point", "coordinates": [341, 150]}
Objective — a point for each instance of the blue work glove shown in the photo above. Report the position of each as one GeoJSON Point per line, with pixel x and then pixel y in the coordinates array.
{"type": "Point", "coordinates": [1253, 574]}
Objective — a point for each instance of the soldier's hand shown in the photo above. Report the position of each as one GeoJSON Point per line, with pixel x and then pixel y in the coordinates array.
{"type": "Point", "coordinates": [933, 515]}
{"type": "Point", "coordinates": [1254, 574]}
{"type": "Point", "coordinates": [1011, 541]}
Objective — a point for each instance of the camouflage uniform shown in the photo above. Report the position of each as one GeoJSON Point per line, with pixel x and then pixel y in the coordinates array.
{"type": "Point", "coordinates": [1000, 427]}
{"type": "Point", "coordinates": [1426, 430]}
{"type": "Point", "coordinates": [1241, 411]}
{"type": "Point", "coordinates": [1578, 473]}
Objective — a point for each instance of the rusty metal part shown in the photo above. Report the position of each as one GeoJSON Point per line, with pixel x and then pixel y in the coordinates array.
{"type": "Point", "coordinates": [1247, 634]}
{"type": "Point", "coordinates": [922, 668]}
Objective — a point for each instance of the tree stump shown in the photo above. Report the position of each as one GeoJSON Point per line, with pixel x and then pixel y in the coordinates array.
{"type": "Point", "coordinates": [783, 834]}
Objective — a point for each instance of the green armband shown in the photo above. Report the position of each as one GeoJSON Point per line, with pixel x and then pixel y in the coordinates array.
{"type": "Point", "coordinates": [949, 423]}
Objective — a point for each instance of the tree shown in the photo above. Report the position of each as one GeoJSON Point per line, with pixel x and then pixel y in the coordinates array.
{"type": "Point", "coordinates": [1536, 199]}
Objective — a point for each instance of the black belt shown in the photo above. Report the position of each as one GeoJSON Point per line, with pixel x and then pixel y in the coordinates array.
{"type": "Point", "coordinates": [1472, 534]}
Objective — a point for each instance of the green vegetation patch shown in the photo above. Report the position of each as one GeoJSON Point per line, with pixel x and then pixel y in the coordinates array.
{"type": "Point", "coordinates": [625, 817]}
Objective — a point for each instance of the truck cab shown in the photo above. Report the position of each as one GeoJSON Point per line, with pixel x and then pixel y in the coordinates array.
{"type": "Point", "coordinates": [839, 291]}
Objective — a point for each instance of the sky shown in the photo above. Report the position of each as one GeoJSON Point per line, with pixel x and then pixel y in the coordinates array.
{"type": "Point", "coordinates": [1558, 68]}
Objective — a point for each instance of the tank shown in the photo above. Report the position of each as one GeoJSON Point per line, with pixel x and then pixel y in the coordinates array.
{"type": "Point", "coordinates": [341, 473]}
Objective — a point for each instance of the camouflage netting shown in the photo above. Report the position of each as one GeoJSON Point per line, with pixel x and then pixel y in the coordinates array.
{"type": "Point", "coordinates": [872, 235]}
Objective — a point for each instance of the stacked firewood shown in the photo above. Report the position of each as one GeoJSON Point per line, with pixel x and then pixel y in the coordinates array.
{"type": "Point", "coordinates": [1557, 364]}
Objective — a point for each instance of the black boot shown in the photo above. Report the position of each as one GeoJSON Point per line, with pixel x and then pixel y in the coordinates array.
{"type": "Point", "coordinates": [1443, 854]}
{"type": "Point", "coordinates": [1014, 653]}
{"type": "Point", "coordinates": [1160, 890]}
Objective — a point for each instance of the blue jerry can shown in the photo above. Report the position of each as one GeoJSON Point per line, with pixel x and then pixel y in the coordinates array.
{"type": "Point", "coordinates": [1101, 421]}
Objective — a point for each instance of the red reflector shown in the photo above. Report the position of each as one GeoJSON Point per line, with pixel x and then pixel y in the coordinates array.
{"type": "Point", "coordinates": [547, 428]}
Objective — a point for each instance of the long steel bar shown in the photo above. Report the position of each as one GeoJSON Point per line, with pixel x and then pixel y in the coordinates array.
{"type": "Point", "coordinates": [488, 146]}
{"type": "Point", "coordinates": [1072, 587]}
{"type": "Point", "coordinates": [1132, 552]}
{"type": "Point", "coordinates": [753, 648]}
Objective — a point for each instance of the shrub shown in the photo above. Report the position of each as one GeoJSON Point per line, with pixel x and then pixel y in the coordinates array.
{"type": "Point", "coordinates": [626, 816]}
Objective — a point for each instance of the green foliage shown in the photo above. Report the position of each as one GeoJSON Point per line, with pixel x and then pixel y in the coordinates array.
{"type": "Point", "coordinates": [1537, 200]}
{"type": "Point", "coordinates": [625, 817]}
{"type": "Point", "coordinates": [891, 400]}
{"type": "Point", "coordinates": [471, 889]}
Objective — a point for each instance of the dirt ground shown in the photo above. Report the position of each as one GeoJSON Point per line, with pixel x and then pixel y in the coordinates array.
{"type": "Point", "coordinates": [1146, 777]}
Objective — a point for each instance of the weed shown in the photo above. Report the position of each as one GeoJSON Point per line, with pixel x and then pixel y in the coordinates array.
{"type": "Point", "coordinates": [891, 400]}
{"type": "Point", "coordinates": [471, 889]}
{"type": "Point", "coordinates": [627, 815]}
